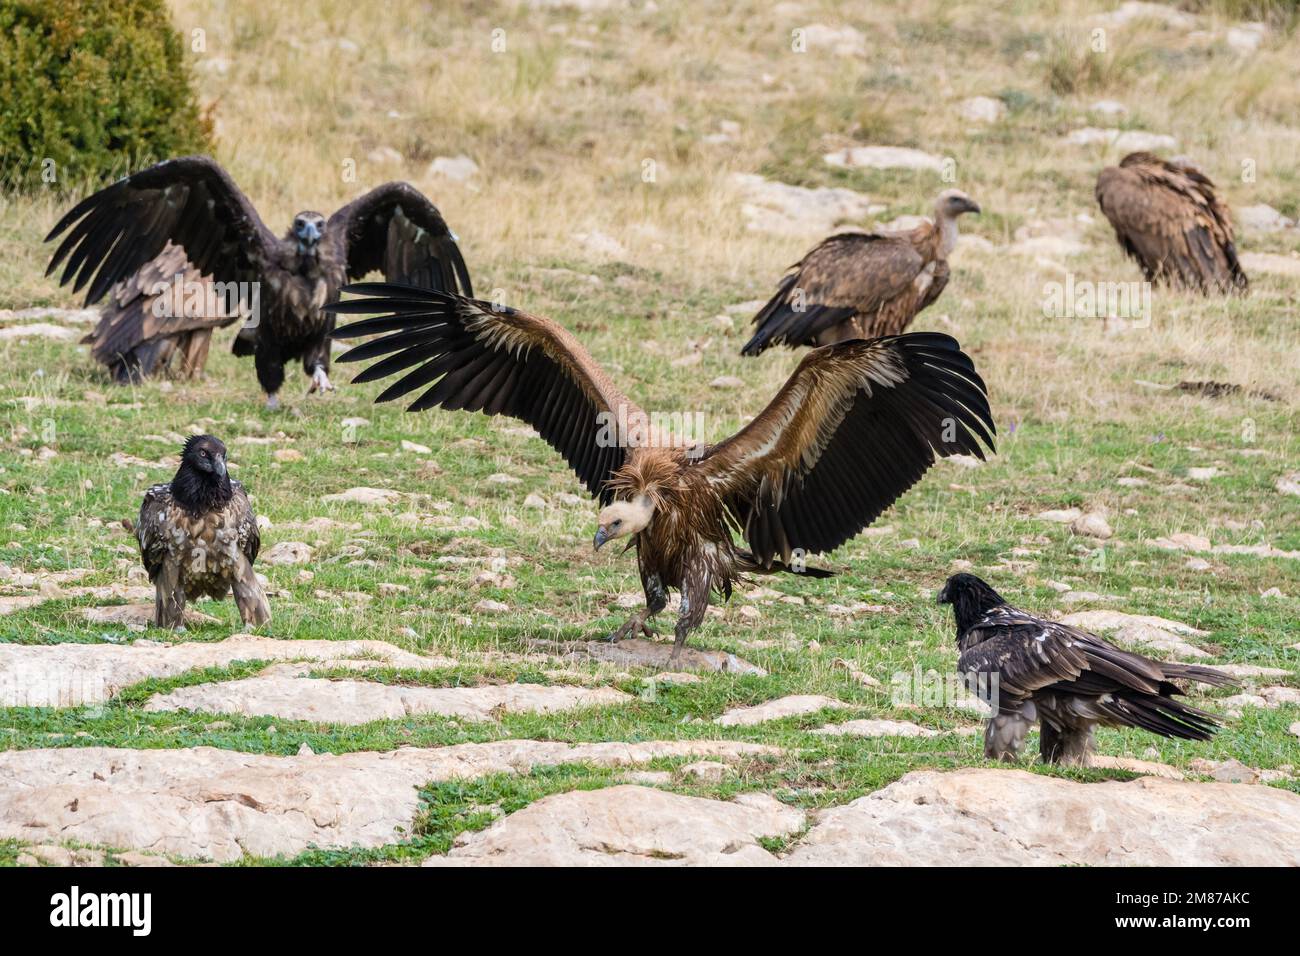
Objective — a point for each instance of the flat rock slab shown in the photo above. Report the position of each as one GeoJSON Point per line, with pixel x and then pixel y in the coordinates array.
{"type": "Point", "coordinates": [636, 652]}
{"type": "Point", "coordinates": [877, 728]}
{"type": "Point", "coordinates": [70, 675]}
{"type": "Point", "coordinates": [980, 817]}
{"type": "Point", "coordinates": [206, 803]}
{"type": "Point", "coordinates": [793, 706]}
{"type": "Point", "coordinates": [293, 697]}
{"type": "Point", "coordinates": [629, 826]}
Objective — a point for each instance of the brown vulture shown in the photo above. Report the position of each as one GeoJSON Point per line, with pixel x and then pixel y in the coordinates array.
{"type": "Point", "coordinates": [856, 425]}
{"type": "Point", "coordinates": [153, 316]}
{"type": "Point", "coordinates": [198, 535]}
{"type": "Point", "coordinates": [860, 285]}
{"type": "Point", "coordinates": [1066, 680]}
{"type": "Point", "coordinates": [1169, 220]}
{"type": "Point", "coordinates": [280, 283]}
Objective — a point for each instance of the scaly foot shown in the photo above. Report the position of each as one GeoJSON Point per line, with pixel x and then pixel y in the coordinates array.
{"type": "Point", "coordinates": [320, 382]}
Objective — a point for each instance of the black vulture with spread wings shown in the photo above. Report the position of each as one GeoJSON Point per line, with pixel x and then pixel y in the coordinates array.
{"type": "Point", "coordinates": [856, 426]}
{"type": "Point", "coordinates": [1065, 679]}
{"type": "Point", "coordinates": [279, 285]}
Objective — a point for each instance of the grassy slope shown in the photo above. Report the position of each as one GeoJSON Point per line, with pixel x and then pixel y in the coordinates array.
{"type": "Point", "coordinates": [560, 124]}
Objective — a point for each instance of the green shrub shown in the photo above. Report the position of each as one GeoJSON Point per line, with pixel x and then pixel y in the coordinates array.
{"type": "Point", "coordinates": [95, 86]}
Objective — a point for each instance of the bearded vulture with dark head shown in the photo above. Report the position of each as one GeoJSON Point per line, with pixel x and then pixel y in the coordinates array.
{"type": "Point", "coordinates": [1169, 220]}
{"type": "Point", "coordinates": [860, 285]}
{"type": "Point", "coordinates": [281, 284]}
{"type": "Point", "coordinates": [856, 425]}
{"type": "Point", "coordinates": [1066, 680]}
{"type": "Point", "coordinates": [198, 536]}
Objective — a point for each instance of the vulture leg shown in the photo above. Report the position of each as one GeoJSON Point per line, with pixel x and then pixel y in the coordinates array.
{"type": "Point", "coordinates": [1004, 736]}
{"type": "Point", "coordinates": [656, 599]}
{"type": "Point", "coordinates": [316, 363]}
{"type": "Point", "coordinates": [695, 601]}
{"type": "Point", "coordinates": [270, 374]}
{"type": "Point", "coordinates": [169, 597]}
{"type": "Point", "coordinates": [254, 609]}
{"type": "Point", "coordinates": [1066, 745]}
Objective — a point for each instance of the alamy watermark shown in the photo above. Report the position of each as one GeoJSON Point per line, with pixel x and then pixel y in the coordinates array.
{"type": "Point", "coordinates": [1088, 299]}
{"type": "Point", "coordinates": [207, 298]}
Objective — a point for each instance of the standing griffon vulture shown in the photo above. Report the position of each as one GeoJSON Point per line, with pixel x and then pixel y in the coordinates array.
{"type": "Point", "coordinates": [860, 285]}
{"type": "Point", "coordinates": [856, 425]}
{"type": "Point", "coordinates": [1169, 219]}
{"type": "Point", "coordinates": [198, 535]}
{"type": "Point", "coordinates": [281, 284]}
{"type": "Point", "coordinates": [153, 316]}
{"type": "Point", "coordinates": [1065, 679]}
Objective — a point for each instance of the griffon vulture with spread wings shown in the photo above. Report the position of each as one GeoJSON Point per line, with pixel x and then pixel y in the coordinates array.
{"type": "Point", "coordinates": [1169, 219]}
{"type": "Point", "coordinates": [856, 425]}
{"type": "Point", "coordinates": [281, 284]}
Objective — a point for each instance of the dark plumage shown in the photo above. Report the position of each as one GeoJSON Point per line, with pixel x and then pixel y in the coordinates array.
{"type": "Point", "coordinates": [198, 536]}
{"type": "Point", "coordinates": [1065, 679]}
{"type": "Point", "coordinates": [151, 317]}
{"type": "Point", "coordinates": [860, 285]}
{"type": "Point", "coordinates": [1168, 218]}
{"type": "Point", "coordinates": [856, 425]}
{"type": "Point", "coordinates": [282, 282]}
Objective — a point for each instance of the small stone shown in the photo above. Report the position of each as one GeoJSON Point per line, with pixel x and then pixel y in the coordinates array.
{"type": "Point", "coordinates": [709, 771]}
{"type": "Point", "coordinates": [487, 606]}
{"type": "Point", "coordinates": [416, 448]}
{"type": "Point", "coordinates": [1091, 525]}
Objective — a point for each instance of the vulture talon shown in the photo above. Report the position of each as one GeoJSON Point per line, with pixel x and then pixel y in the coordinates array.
{"type": "Point", "coordinates": [272, 403]}
{"type": "Point", "coordinates": [793, 480]}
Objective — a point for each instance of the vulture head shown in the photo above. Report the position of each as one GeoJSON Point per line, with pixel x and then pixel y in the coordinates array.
{"type": "Point", "coordinates": [623, 518]}
{"type": "Point", "coordinates": [308, 227]}
{"type": "Point", "coordinates": [201, 482]}
{"type": "Point", "coordinates": [952, 203]}
{"type": "Point", "coordinates": [971, 598]}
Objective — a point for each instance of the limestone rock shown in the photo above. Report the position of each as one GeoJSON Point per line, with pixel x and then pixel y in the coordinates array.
{"type": "Point", "coordinates": [287, 552]}
{"type": "Point", "coordinates": [1016, 818]}
{"type": "Point", "coordinates": [884, 157]}
{"type": "Point", "coordinates": [286, 695]}
{"type": "Point", "coordinates": [206, 803]}
{"type": "Point", "coordinates": [70, 675]}
{"type": "Point", "coordinates": [792, 706]}
{"type": "Point", "coordinates": [629, 826]}
{"type": "Point", "coordinates": [877, 728]}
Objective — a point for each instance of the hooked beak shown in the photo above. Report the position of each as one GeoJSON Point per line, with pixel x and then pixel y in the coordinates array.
{"type": "Point", "coordinates": [310, 234]}
{"type": "Point", "coordinates": [219, 466]}
{"type": "Point", "coordinates": [974, 207]}
{"type": "Point", "coordinates": [601, 537]}
{"type": "Point", "coordinates": [942, 597]}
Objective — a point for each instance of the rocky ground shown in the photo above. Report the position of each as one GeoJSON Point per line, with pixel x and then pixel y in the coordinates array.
{"type": "Point", "coordinates": [432, 688]}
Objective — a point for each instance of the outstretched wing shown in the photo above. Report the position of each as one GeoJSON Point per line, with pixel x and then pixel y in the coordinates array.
{"type": "Point", "coordinates": [1169, 219]}
{"type": "Point", "coordinates": [158, 301]}
{"type": "Point", "coordinates": [479, 357]}
{"type": "Point", "coordinates": [856, 425]}
{"type": "Point", "coordinates": [396, 230]}
{"type": "Point", "coordinates": [845, 275]}
{"type": "Point", "coordinates": [190, 202]}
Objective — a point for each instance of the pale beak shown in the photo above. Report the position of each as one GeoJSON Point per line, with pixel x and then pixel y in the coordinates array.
{"type": "Point", "coordinates": [601, 537]}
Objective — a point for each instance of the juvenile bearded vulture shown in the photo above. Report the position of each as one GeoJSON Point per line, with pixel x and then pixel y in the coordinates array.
{"type": "Point", "coordinates": [1065, 679]}
{"type": "Point", "coordinates": [166, 309]}
{"type": "Point", "coordinates": [198, 535]}
{"type": "Point", "coordinates": [856, 425]}
{"type": "Point", "coordinates": [1169, 220]}
{"type": "Point", "coordinates": [282, 283]}
{"type": "Point", "coordinates": [860, 285]}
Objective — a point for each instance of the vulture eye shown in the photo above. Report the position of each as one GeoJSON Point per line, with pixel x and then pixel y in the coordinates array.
{"type": "Point", "coordinates": [617, 522]}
